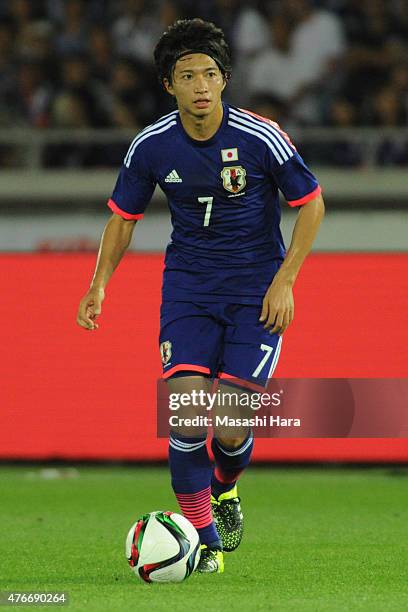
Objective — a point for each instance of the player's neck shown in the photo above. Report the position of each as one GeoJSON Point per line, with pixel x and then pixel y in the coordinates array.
{"type": "Point", "coordinates": [202, 128]}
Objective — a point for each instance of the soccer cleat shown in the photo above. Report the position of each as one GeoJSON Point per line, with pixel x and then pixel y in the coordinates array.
{"type": "Point", "coordinates": [228, 518]}
{"type": "Point", "coordinates": [211, 561]}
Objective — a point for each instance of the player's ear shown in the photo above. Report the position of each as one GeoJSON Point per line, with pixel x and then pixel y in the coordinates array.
{"type": "Point", "coordinates": [168, 87]}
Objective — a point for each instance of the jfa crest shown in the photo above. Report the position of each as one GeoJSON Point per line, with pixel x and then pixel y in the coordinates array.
{"type": "Point", "coordinates": [165, 351]}
{"type": "Point", "coordinates": [233, 178]}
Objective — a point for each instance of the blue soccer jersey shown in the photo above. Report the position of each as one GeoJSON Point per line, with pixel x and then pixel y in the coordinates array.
{"type": "Point", "coordinates": [223, 195]}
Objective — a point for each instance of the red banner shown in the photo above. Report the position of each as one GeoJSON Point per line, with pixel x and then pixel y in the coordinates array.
{"type": "Point", "coordinates": [70, 393]}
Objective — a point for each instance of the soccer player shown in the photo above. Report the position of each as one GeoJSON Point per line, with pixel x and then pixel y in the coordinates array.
{"type": "Point", "coordinates": [227, 286]}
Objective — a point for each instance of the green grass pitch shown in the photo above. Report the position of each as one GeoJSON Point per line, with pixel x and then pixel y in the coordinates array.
{"type": "Point", "coordinates": [317, 539]}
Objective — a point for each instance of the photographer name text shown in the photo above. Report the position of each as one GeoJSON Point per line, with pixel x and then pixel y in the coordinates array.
{"type": "Point", "coordinates": [227, 421]}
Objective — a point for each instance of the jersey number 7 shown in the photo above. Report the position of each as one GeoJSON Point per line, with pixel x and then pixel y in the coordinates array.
{"type": "Point", "coordinates": [209, 202]}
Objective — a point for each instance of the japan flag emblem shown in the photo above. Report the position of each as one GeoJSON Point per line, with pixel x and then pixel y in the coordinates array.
{"type": "Point", "coordinates": [229, 155]}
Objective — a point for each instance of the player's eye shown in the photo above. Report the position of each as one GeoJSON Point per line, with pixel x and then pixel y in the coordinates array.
{"type": "Point", "coordinates": [186, 77]}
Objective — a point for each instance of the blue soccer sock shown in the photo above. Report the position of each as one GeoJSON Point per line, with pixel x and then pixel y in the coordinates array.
{"type": "Point", "coordinates": [229, 464]}
{"type": "Point", "coordinates": [191, 471]}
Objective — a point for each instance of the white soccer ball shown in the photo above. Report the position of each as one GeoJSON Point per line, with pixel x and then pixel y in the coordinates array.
{"type": "Point", "coordinates": [163, 547]}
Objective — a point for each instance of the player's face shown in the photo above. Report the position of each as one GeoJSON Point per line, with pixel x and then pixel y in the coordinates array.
{"type": "Point", "coordinates": [197, 84]}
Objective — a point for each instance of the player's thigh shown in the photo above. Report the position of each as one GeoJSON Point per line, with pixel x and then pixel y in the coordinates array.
{"type": "Point", "coordinates": [190, 383]}
{"type": "Point", "coordinates": [250, 353]}
{"type": "Point", "coordinates": [190, 338]}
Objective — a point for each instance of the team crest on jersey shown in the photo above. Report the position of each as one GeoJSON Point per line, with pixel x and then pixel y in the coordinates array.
{"type": "Point", "coordinates": [165, 351]}
{"type": "Point", "coordinates": [233, 178]}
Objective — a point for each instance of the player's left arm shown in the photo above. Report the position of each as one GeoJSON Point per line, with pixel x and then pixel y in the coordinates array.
{"type": "Point", "coordinates": [278, 304]}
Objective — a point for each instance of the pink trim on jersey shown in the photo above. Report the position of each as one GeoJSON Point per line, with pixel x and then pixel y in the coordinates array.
{"type": "Point", "coordinates": [306, 198]}
{"type": "Point", "coordinates": [270, 122]}
{"type": "Point", "coordinates": [115, 208]}
{"type": "Point", "coordinates": [243, 383]}
{"type": "Point", "coordinates": [186, 366]}
{"type": "Point", "coordinates": [196, 507]}
{"type": "Point", "coordinates": [260, 117]}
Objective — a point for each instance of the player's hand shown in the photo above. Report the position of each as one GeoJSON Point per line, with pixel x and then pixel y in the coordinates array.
{"type": "Point", "coordinates": [90, 308]}
{"type": "Point", "coordinates": [278, 307]}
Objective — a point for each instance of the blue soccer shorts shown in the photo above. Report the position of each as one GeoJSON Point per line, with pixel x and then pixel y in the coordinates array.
{"type": "Point", "coordinates": [218, 340]}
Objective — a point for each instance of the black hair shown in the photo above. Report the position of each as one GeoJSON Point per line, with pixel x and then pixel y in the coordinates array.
{"type": "Point", "coordinates": [195, 36]}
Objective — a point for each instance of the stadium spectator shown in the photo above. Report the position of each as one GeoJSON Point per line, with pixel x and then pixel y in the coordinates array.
{"type": "Point", "coordinates": [342, 114]}
{"type": "Point", "coordinates": [124, 116]}
{"type": "Point", "coordinates": [7, 40]}
{"type": "Point", "coordinates": [100, 52]}
{"type": "Point", "coordinates": [250, 34]}
{"type": "Point", "coordinates": [389, 111]}
{"type": "Point", "coordinates": [388, 108]}
{"type": "Point", "coordinates": [271, 73]}
{"type": "Point", "coordinates": [34, 42]}
{"type": "Point", "coordinates": [72, 37]}
{"type": "Point", "coordinates": [70, 111]}
{"type": "Point", "coordinates": [373, 46]}
{"type": "Point", "coordinates": [294, 68]}
{"type": "Point", "coordinates": [340, 151]}
{"type": "Point", "coordinates": [7, 68]}
{"type": "Point", "coordinates": [28, 95]}
{"type": "Point", "coordinates": [22, 12]}
{"type": "Point", "coordinates": [399, 82]}
{"type": "Point", "coordinates": [135, 31]}
{"type": "Point", "coordinates": [96, 10]}
{"type": "Point", "coordinates": [77, 79]}
{"type": "Point", "coordinates": [314, 60]}
{"type": "Point", "coordinates": [270, 107]}
{"type": "Point", "coordinates": [130, 87]}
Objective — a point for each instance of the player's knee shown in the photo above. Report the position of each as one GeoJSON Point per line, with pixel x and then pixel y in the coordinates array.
{"type": "Point", "coordinates": [231, 442]}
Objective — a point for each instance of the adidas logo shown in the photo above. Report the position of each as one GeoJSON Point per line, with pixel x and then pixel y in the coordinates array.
{"type": "Point", "coordinates": [173, 177]}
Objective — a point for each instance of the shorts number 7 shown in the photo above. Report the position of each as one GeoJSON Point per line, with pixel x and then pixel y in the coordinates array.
{"type": "Point", "coordinates": [268, 352]}
{"type": "Point", "coordinates": [209, 201]}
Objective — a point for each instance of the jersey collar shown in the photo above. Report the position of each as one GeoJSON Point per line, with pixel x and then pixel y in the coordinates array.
{"type": "Point", "coordinates": [214, 138]}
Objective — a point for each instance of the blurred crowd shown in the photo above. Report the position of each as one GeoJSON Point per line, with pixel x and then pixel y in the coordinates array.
{"type": "Point", "coordinates": [89, 63]}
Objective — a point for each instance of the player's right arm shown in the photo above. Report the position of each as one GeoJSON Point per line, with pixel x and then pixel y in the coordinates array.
{"type": "Point", "coordinates": [132, 193]}
{"type": "Point", "coordinates": [115, 240]}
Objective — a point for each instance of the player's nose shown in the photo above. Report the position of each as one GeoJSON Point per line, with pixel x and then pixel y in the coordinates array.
{"type": "Point", "coordinates": [200, 85]}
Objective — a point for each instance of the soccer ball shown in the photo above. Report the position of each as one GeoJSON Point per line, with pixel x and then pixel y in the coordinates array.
{"type": "Point", "coordinates": [163, 547]}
